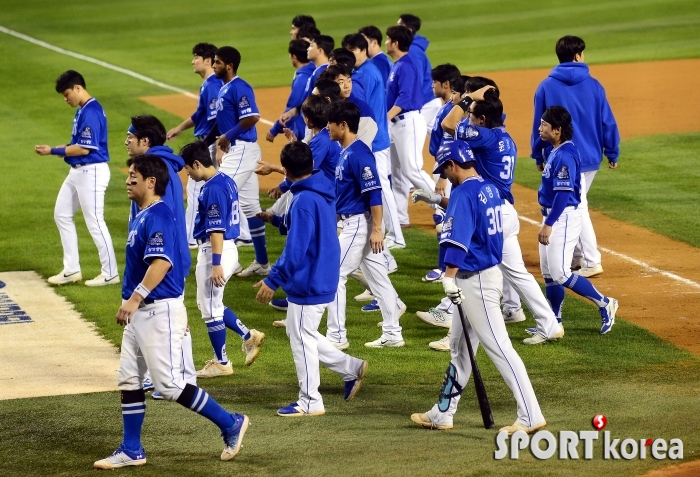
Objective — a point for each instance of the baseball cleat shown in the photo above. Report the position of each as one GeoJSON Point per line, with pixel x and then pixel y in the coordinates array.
{"type": "Point", "coordinates": [354, 385]}
{"type": "Point", "coordinates": [122, 458]}
{"type": "Point", "coordinates": [279, 323]}
{"type": "Point", "coordinates": [252, 346]}
{"type": "Point", "coordinates": [233, 436]}
{"type": "Point", "coordinates": [522, 427]}
{"type": "Point", "coordinates": [423, 420]}
{"type": "Point", "coordinates": [214, 369]}
{"type": "Point", "coordinates": [342, 345]}
{"type": "Point", "coordinates": [157, 396]}
{"type": "Point", "coordinates": [102, 280]}
{"type": "Point", "coordinates": [255, 269]}
{"type": "Point", "coordinates": [607, 315]}
{"type": "Point", "coordinates": [390, 244]}
{"type": "Point", "coordinates": [531, 331]}
{"type": "Point", "coordinates": [365, 296]}
{"type": "Point", "coordinates": [440, 345]}
{"type": "Point", "coordinates": [589, 272]}
{"type": "Point", "coordinates": [294, 410]}
{"type": "Point", "coordinates": [385, 343]}
{"type": "Point", "coordinates": [147, 385]}
{"type": "Point", "coordinates": [280, 304]}
{"type": "Point", "coordinates": [537, 338]}
{"type": "Point", "coordinates": [513, 316]}
{"type": "Point", "coordinates": [374, 306]}
{"type": "Point", "coordinates": [243, 243]}
{"type": "Point", "coordinates": [434, 276]}
{"type": "Point", "coordinates": [436, 317]}
{"type": "Point", "coordinates": [63, 278]}
{"type": "Point", "coordinates": [577, 263]}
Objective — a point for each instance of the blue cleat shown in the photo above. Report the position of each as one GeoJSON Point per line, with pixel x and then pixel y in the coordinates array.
{"type": "Point", "coordinates": [233, 436]}
{"type": "Point", "coordinates": [374, 306]}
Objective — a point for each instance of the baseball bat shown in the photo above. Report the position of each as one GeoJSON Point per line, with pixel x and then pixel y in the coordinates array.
{"type": "Point", "coordinates": [484, 405]}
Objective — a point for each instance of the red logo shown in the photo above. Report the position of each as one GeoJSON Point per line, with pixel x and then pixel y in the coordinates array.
{"type": "Point", "coordinates": [599, 422]}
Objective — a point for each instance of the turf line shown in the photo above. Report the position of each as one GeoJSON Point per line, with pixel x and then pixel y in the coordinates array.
{"type": "Point", "coordinates": [104, 64]}
{"type": "Point", "coordinates": [639, 263]}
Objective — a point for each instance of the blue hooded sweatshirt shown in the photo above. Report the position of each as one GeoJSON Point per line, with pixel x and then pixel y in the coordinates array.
{"type": "Point", "coordinates": [418, 53]}
{"type": "Point", "coordinates": [595, 130]}
{"type": "Point", "coordinates": [309, 266]}
{"type": "Point", "coordinates": [174, 198]}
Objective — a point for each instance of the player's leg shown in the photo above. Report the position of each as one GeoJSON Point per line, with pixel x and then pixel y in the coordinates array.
{"type": "Point", "coordinates": [429, 112]}
{"type": "Point", "coordinates": [351, 369]}
{"type": "Point", "coordinates": [189, 373]}
{"type": "Point", "coordinates": [67, 204]}
{"type": "Point", "coordinates": [399, 184]}
{"type": "Point", "coordinates": [390, 212]}
{"type": "Point", "coordinates": [193, 190]}
{"type": "Point", "coordinates": [91, 185]}
{"type": "Point", "coordinates": [232, 166]}
{"type": "Point", "coordinates": [409, 144]}
{"type": "Point", "coordinates": [587, 246]}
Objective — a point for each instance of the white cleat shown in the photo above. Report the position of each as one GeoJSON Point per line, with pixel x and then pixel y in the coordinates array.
{"type": "Point", "coordinates": [63, 278]}
{"type": "Point", "coordinates": [122, 458]}
{"type": "Point", "coordinates": [214, 369]}
{"type": "Point", "coordinates": [365, 296]}
{"type": "Point", "coordinates": [589, 272]}
{"type": "Point", "coordinates": [255, 269]}
{"type": "Point", "coordinates": [384, 343]}
{"type": "Point", "coordinates": [102, 280]}
{"type": "Point", "coordinates": [440, 345]}
{"type": "Point", "coordinates": [436, 317]}
{"type": "Point", "coordinates": [513, 316]}
{"type": "Point", "coordinates": [252, 346]}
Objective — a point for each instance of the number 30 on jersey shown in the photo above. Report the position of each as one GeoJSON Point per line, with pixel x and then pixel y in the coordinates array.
{"type": "Point", "coordinates": [495, 221]}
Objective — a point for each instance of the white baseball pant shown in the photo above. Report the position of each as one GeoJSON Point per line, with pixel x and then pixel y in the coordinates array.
{"type": "Point", "coordinates": [85, 188]}
{"type": "Point", "coordinates": [309, 348]}
{"type": "Point", "coordinates": [482, 293]}
{"type": "Point", "coordinates": [555, 258]}
{"type": "Point", "coordinates": [587, 246]}
{"type": "Point", "coordinates": [429, 112]}
{"type": "Point", "coordinates": [239, 163]}
{"type": "Point", "coordinates": [210, 299]}
{"type": "Point", "coordinates": [355, 252]}
{"type": "Point", "coordinates": [281, 205]}
{"type": "Point", "coordinates": [390, 213]}
{"type": "Point", "coordinates": [193, 190]}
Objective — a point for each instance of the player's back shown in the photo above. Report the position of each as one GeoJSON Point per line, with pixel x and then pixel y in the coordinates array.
{"type": "Point", "coordinates": [219, 210]}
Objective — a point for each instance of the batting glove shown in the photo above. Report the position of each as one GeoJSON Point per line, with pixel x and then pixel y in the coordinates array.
{"type": "Point", "coordinates": [426, 196]}
{"type": "Point", "coordinates": [453, 292]}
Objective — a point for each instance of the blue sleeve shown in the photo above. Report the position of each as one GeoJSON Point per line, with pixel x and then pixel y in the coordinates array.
{"type": "Point", "coordinates": [285, 185]}
{"type": "Point", "coordinates": [302, 233]}
{"type": "Point", "coordinates": [475, 136]}
{"type": "Point", "coordinates": [276, 128]}
{"type": "Point", "coordinates": [365, 171]}
{"type": "Point", "coordinates": [296, 95]}
{"type": "Point", "coordinates": [214, 203]}
{"type": "Point", "coordinates": [561, 200]}
{"type": "Point", "coordinates": [406, 80]}
{"type": "Point", "coordinates": [563, 172]}
{"type": "Point", "coordinates": [435, 137]}
{"type": "Point", "coordinates": [161, 241]}
{"type": "Point", "coordinates": [536, 143]}
{"type": "Point", "coordinates": [611, 135]}
{"type": "Point", "coordinates": [280, 222]}
{"type": "Point", "coordinates": [246, 102]}
{"type": "Point", "coordinates": [454, 255]}
{"type": "Point", "coordinates": [459, 224]}
{"type": "Point", "coordinates": [89, 129]}
{"type": "Point", "coordinates": [375, 197]}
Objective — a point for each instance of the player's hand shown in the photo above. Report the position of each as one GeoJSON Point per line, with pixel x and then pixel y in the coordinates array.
{"type": "Point", "coordinates": [173, 133]}
{"type": "Point", "coordinates": [612, 165]}
{"type": "Point", "coordinates": [274, 193]}
{"type": "Point", "coordinates": [264, 168]}
{"type": "Point", "coordinates": [289, 134]}
{"type": "Point", "coordinates": [265, 216]}
{"type": "Point", "coordinates": [478, 95]}
{"type": "Point", "coordinates": [287, 115]}
{"type": "Point", "coordinates": [426, 196]}
{"type": "Point", "coordinates": [265, 293]}
{"type": "Point", "coordinates": [376, 241]}
{"type": "Point", "coordinates": [219, 156]}
{"type": "Point", "coordinates": [543, 236]}
{"type": "Point", "coordinates": [441, 187]}
{"type": "Point", "coordinates": [127, 309]}
{"type": "Point", "coordinates": [452, 291]}
{"type": "Point", "coordinates": [223, 143]}
{"type": "Point", "coordinates": [42, 150]}
{"type": "Point", "coordinates": [217, 276]}
{"type": "Point", "coordinates": [269, 137]}
{"type": "Point", "coordinates": [540, 167]}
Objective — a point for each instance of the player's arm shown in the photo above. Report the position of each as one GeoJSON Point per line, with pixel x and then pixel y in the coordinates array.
{"type": "Point", "coordinates": [611, 135]}
{"type": "Point", "coordinates": [265, 168]}
{"type": "Point", "coordinates": [536, 143]}
{"type": "Point", "coordinates": [216, 240]}
{"type": "Point", "coordinates": [72, 150]}
{"type": "Point", "coordinates": [225, 140]}
{"type": "Point", "coordinates": [157, 270]}
{"type": "Point", "coordinates": [430, 197]}
{"type": "Point", "coordinates": [449, 124]}
{"type": "Point", "coordinates": [184, 125]}
{"type": "Point", "coordinates": [376, 238]}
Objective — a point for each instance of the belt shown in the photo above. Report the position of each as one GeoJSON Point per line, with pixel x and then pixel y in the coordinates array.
{"type": "Point", "coordinates": [75, 166]}
{"type": "Point", "coordinates": [465, 275]}
{"type": "Point", "coordinates": [202, 241]}
{"type": "Point", "coordinates": [347, 216]}
{"type": "Point", "coordinates": [402, 116]}
{"type": "Point", "coordinates": [546, 210]}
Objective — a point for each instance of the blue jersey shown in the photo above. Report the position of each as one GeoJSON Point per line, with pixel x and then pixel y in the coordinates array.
{"type": "Point", "coordinates": [236, 101]}
{"type": "Point", "coordinates": [404, 88]}
{"type": "Point", "coordinates": [355, 175]}
{"type": "Point", "coordinates": [473, 230]}
{"type": "Point", "coordinates": [383, 64]}
{"type": "Point", "coordinates": [311, 82]}
{"type": "Point", "coordinates": [296, 97]}
{"type": "Point", "coordinates": [368, 76]}
{"type": "Point", "coordinates": [562, 172]}
{"type": "Point", "coordinates": [217, 209]}
{"type": "Point", "coordinates": [325, 152]}
{"type": "Point", "coordinates": [438, 135]}
{"type": "Point", "coordinates": [418, 53]}
{"type": "Point", "coordinates": [152, 234]}
{"type": "Point", "coordinates": [89, 132]}
{"type": "Point", "coordinates": [205, 115]}
{"type": "Point", "coordinates": [495, 154]}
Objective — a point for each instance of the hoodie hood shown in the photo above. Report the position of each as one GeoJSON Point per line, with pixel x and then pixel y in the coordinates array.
{"type": "Point", "coordinates": [570, 73]}
{"type": "Point", "coordinates": [421, 42]}
{"type": "Point", "coordinates": [165, 153]}
{"type": "Point", "coordinates": [317, 182]}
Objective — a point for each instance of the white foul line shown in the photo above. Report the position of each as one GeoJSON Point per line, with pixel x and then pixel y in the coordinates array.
{"type": "Point", "coordinates": [639, 263]}
{"type": "Point", "coordinates": [104, 64]}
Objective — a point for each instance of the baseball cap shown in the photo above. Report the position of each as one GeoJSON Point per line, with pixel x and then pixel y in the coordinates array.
{"type": "Point", "coordinates": [457, 151]}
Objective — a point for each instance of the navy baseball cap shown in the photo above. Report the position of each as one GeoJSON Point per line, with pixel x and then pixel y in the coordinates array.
{"type": "Point", "coordinates": [457, 151]}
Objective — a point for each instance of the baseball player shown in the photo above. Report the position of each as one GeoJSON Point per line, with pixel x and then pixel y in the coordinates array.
{"type": "Point", "coordinates": [308, 272]}
{"type": "Point", "coordinates": [374, 38]}
{"type": "Point", "coordinates": [404, 101]}
{"type": "Point", "coordinates": [85, 186]}
{"type": "Point", "coordinates": [154, 318]}
{"type": "Point", "coordinates": [216, 228]}
{"type": "Point", "coordinates": [201, 120]}
{"type": "Point", "coordinates": [303, 23]}
{"type": "Point", "coordinates": [570, 85]}
{"type": "Point", "coordinates": [473, 238]}
{"type": "Point", "coordinates": [560, 195]}
{"type": "Point", "coordinates": [235, 136]}
{"type": "Point", "coordinates": [359, 205]}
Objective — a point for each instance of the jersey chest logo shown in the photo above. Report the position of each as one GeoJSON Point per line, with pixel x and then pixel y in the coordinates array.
{"type": "Point", "coordinates": [132, 238]}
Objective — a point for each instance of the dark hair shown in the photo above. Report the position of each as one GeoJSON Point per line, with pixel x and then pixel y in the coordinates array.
{"type": "Point", "coordinates": [559, 117]}
{"type": "Point", "coordinates": [477, 82]}
{"type": "Point", "coordinates": [303, 22]}
{"type": "Point", "coordinates": [196, 151]}
{"type": "Point", "coordinates": [568, 47]}
{"type": "Point", "coordinates": [328, 88]}
{"type": "Point", "coordinates": [411, 21]}
{"type": "Point", "coordinates": [296, 158]}
{"type": "Point", "coordinates": [324, 42]}
{"type": "Point", "coordinates": [68, 80]}
{"type": "Point", "coordinates": [372, 32]}
{"type": "Point", "coordinates": [333, 71]}
{"type": "Point", "coordinates": [345, 111]}
{"type": "Point", "coordinates": [343, 57]}
{"type": "Point", "coordinates": [315, 109]}
{"type": "Point", "coordinates": [230, 56]}
{"type": "Point", "coordinates": [299, 49]}
{"type": "Point", "coordinates": [205, 50]}
{"type": "Point", "coordinates": [150, 165]}
{"type": "Point", "coordinates": [355, 40]}
{"type": "Point", "coordinates": [459, 84]}
{"type": "Point", "coordinates": [491, 108]}
{"type": "Point", "coordinates": [446, 72]}
{"type": "Point", "coordinates": [465, 165]}
{"type": "Point", "coordinates": [149, 127]}
{"type": "Point", "coordinates": [400, 34]}
{"type": "Point", "coordinates": [308, 32]}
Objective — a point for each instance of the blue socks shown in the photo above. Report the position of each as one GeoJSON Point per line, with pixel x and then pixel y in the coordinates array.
{"type": "Point", "coordinates": [555, 296]}
{"type": "Point", "coordinates": [198, 400]}
{"type": "Point", "coordinates": [217, 336]}
{"type": "Point", "coordinates": [257, 233]}
{"type": "Point", "coordinates": [235, 324]}
{"type": "Point", "coordinates": [133, 413]}
{"type": "Point", "coordinates": [585, 288]}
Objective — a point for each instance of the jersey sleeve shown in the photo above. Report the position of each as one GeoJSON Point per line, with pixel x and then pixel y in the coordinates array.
{"type": "Point", "coordinates": [475, 136]}
{"type": "Point", "coordinates": [364, 168]}
{"type": "Point", "coordinates": [246, 102]}
{"type": "Point", "coordinates": [161, 242]}
{"type": "Point", "coordinates": [89, 129]}
{"type": "Point", "coordinates": [215, 210]}
{"type": "Point", "coordinates": [563, 171]}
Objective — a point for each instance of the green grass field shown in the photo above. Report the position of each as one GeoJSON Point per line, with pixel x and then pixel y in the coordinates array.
{"type": "Point", "coordinates": [646, 387]}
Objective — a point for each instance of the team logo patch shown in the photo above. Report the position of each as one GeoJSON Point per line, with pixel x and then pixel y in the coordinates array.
{"type": "Point", "coordinates": [367, 174]}
{"type": "Point", "coordinates": [156, 240]}
{"type": "Point", "coordinates": [447, 227]}
{"type": "Point", "coordinates": [471, 132]}
{"type": "Point", "coordinates": [86, 133]}
{"type": "Point", "coordinates": [213, 212]}
{"type": "Point", "coordinates": [243, 103]}
{"type": "Point", "coordinates": [563, 173]}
